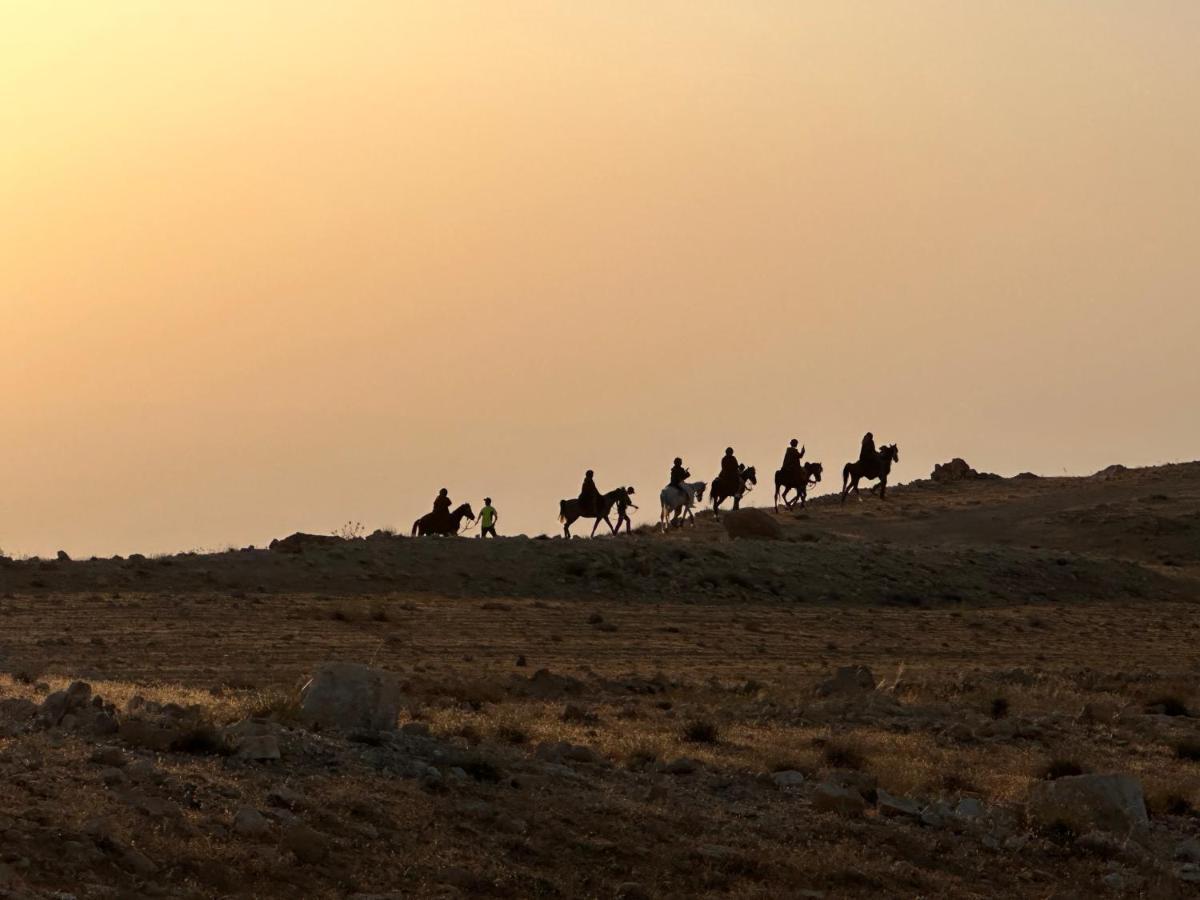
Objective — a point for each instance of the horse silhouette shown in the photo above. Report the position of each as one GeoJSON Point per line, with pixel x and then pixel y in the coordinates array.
{"type": "Point", "coordinates": [879, 468]}
{"type": "Point", "coordinates": [569, 510]}
{"type": "Point", "coordinates": [721, 491]}
{"type": "Point", "coordinates": [431, 523]}
{"type": "Point", "coordinates": [799, 481]}
{"type": "Point", "coordinates": [677, 502]}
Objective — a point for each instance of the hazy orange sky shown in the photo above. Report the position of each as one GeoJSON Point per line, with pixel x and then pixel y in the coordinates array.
{"type": "Point", "coordinates": [273, 266]}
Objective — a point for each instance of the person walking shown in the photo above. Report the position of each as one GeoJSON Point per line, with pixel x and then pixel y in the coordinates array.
{"type": "Point", "coordinates": [488, 517]}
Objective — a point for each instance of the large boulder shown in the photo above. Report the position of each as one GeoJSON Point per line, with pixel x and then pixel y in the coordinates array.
{"type": "Point", "coordinates": [1083, 803]}
{"type": "Point", "coordinates": [752, 524]}
{"type": "Point", "coordinates": [351, 697]}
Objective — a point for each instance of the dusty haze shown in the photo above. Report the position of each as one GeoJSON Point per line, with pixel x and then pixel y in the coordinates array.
{"type": "Point", "coordinates": [277, 266]}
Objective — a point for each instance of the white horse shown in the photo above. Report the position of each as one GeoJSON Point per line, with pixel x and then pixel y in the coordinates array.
{"type": "Point", "coordinates": [677, 502]}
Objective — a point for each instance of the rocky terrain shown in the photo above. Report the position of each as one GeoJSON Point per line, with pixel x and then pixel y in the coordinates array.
{"type": "Point", "coordinates": [983, 687]}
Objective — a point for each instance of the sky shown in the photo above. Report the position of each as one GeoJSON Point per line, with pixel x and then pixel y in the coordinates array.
{"type": "Point", "coordinates": [280, 266]}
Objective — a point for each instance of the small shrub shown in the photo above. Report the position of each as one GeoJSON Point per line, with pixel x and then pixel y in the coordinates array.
{"type": "Point", "coordinates": [841, 755]}
{"type": "Point", "coordinates": [202, 740]}
{"type": "Point", "coordinates": [277, 705]}
{"type": "Point", "coordinates": [478, 767]}
{"type": "Point", "coordinates": [351, 531]}
{"type": "Point", "coordinates": [1061, 768]}
{"type": "Point", "coordinates": [1000, 708]}
{"type": "Point", "coordinates": [511, 734]}
{"type": "Point", "coordinates": [1172, 705]}
{"type": "Point", "coordinates": [700, 731]}
{"type": "Point", "coordinates": [641, 756]}
{"type": "Point", "coordinates": [1189, 749]}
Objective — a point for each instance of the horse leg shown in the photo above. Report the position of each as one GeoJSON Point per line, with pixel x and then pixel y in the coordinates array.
{"type": "Point", "coordinates": [567, 523]}
{"type": "Point", "coordinates": [777, 496]}
{"type": "Point", "coordinates": [883, 488]}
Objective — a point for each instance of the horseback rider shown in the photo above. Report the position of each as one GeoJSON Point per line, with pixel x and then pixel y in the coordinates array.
{"type": "Point", "coordinates": [731, 472]}
{"type": "Point", "coordinates": [679, 474]}
{"type": "Point", "coordinates": [791, 461]}
{"type": "Point", "coordinates": [589, 496]}
{"type": "Point", "coordinates": [868, 454]}
{"type": "Point", "coordinates": [441, 507]}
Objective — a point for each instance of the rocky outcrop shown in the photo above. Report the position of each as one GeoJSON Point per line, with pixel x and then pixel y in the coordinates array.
{"type": "Point", "coordinates": [958, 470]}
{"type": "Point", "coordinates": [300, 542]}
{"type": "Point", "coordinates": [752, 524]}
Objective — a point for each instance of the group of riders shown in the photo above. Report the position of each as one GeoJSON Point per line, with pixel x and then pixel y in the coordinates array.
{"type": "Point", "coordinates": [734, 480]}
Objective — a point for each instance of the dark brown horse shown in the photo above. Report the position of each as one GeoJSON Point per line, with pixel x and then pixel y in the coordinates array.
{"type": "Point", "coordinates": [721, 491]}
{"type": "Point", "coordinates": [431, 523]}
{"type": "Point", "coordinates": [569, 511]}
{"type": "Point", "coordinates": [799, 481]}
{"type": "Point", "coordinates": [879, 468]}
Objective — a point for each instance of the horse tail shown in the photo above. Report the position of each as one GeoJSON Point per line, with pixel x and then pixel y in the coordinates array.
{"type": "Point", "coordinates": [416, 525]}
{"type": "Point", "coordinates": [846, 474]}
{"type": "Point", "coordinates": [562, 510]}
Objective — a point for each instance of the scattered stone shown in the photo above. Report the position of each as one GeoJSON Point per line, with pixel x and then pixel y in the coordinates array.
{"type": "Point", "coordinates": [287, 798]}
{"type": "Point", "coordinates": [111, 756]}
{"type": "Point", "coordinates": [563, 752]}
{"type": "Point", "coordinates": [682, 766]}
{"type": "Point", "coordinates": [788, 778]}
{"type": "Point", "coordinates": [138, 862]}
{"type": "Point", "coordinates": [1188, 850]}
{"type": "Point", "coordinates": [1084, 803]}
{"type": "Point", "coordinates": [260, 748]}
{"type": "Point", "coordinates": [547, 685]}
{"type": "Point", "coordinates": [306, 844]}
{"type": "Point", "coordinates": [848, 680]}
{"type": "Point", "coordinates": [575, 713]}
{"type": "Point", "coordinates": [143, 770]}
{"type": "Point", "coordinates": [752, 524]}
{"type": "Point", "coordinates": [250, 823]}
{"type": "Point", "coordinates": [892, 807]}
{"type": "Point", "coordinates": [1098, 712]}
{"type": "Point", "coordinates": [969, 808]}
{"type": "Point", "coordinates": [347, 696]}
{"type": "Point", "coordinates": [834, 798]}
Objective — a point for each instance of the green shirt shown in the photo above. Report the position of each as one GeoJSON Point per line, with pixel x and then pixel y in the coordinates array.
{"type": "Point", "coordinates": [487, 516]}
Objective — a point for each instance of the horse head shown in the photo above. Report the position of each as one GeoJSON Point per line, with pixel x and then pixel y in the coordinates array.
{"type": "Point", "coordinates": [464, 512]}
{"type": "Point", "coordinates": [892, 451]}
{"type": "Point", "coordinates": [700, 486]}
{"type": "Point", "coordinates": [814, 471]}
{"type": "Point", "coordinates": [749, 474]}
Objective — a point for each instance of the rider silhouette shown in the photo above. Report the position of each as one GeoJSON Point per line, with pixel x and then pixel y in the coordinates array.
{"type": "Point", "coordinates": [731, 472]}
{"type": "Point", "coordinates": [678, 473]}
{"type": "Point", "coordinates": [441, 506]}
{"type": "Point", "coordinates": [589, 496]}
{"type": "Point", "coordinates": [791, 459]}
{"type": "Point", "coordinates": [868, 454]}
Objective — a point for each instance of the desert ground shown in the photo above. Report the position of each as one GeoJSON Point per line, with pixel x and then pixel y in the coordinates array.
{"type": "Point", "coordinates": [910, 698]}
